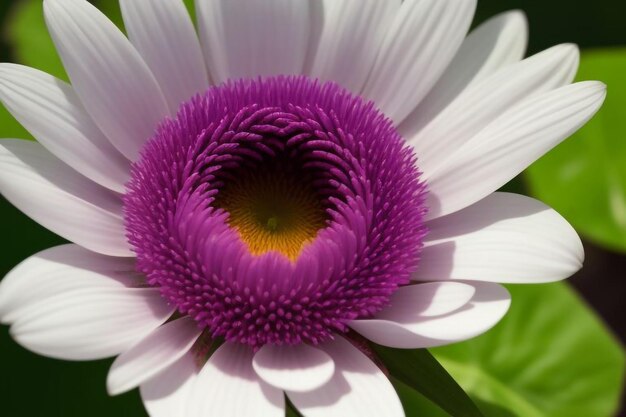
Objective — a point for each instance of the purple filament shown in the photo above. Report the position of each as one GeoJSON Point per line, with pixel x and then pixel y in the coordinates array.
{"type": "Point", "coordinates": [364, 175]}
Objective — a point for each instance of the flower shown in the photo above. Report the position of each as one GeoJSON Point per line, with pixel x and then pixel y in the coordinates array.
{"type": "Point", "coordinates": [334, 180]}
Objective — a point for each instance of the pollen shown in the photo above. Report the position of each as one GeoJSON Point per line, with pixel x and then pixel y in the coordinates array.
{"type": "Point", "coordinates": [273, 212]}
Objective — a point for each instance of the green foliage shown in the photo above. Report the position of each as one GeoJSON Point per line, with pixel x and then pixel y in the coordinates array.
{"type": "Point", "coordinates": [584, 178]}
{"type": "Point", "coordinates": [32, 46]}
{"type": "Point", "coordinates": [112, 10]}
{"type": "Point", "coordinates": [191, 8]}
{"type": "Point", "coordinates": [61, 388]}
{"type": "Point", "coordinates": [415, 404]}
{"type": "Point", "coordinates": [419, 370]}
{"type": "Point", "coordinates": [549, 357]}
{"type": "Point", "coordinates": [31, 42]}
{"type": "Point", "coordinates": [290, 410]}
{"type": "Point", "coordinates": [10, 127]}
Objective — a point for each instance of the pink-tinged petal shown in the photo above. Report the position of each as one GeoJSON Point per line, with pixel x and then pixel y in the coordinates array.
{"type": "Point", "coordinates": [351, 32]}
{"type": "Point", "coordinates": [163, 33]}
{"type": "Point", "coordinates": [296, 368]}
{"type": "Point", "coordinates": [252, 38]}
{"type": "Point", "coordinates": [358, 388]}
{"type": "Point", "coordinates": [228, 386]}
{"type": "Point", "coordinates": [502, 238]}
{"type": "Point", "coordinates": [495, 44]}
{"type": "Point", "coordinates": [60, 199]}
{"type": "Point", "coordinates": [422, 40]}
{"type": "Point", "coordinates": [112, 80]}
{"type": "Point", "coordinates": [90, 323]}
{"type": "Point", "coordinates": [167, 393]}
{"type": "Point", "coordinates": [510, 144]}
{"type": "Point", "coordinates": [488, 305]}
{"type": "Point", "coordinates": [484, 102]}
{"type": "Point", "coordinates": [52, 112]}
{"type": "Point", "coordinates": [158, 351]}
{"type": "Point", "coordinates": [59, 270]}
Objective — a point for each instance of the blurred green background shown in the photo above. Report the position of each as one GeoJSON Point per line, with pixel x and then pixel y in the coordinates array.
{"type": "Point", "coordinates": [552, 356]}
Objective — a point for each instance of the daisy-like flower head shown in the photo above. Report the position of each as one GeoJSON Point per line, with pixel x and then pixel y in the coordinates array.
{"type": "Point", "coordinates": [276, 211]}
{"type": "Point", "coordinates": [246, 206]}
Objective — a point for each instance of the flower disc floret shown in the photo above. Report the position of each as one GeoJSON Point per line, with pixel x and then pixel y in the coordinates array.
{"type": "Point", "coordinates": [276, 210]}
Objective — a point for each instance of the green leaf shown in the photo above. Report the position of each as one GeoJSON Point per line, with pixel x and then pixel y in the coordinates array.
{"type": "Point", "coordinates": [290, 409]}
{"type": "Point", "coordinates": [10, 127]}
{"type": "Point", "coordinates": [420, 370]}
{"type": "Point", "coordinates": [31, 42]}
{"type": "Point", "coordinates": [549, 357]}
{"type": "Point", "coordinates": [191, 8]}
{"type": "Point", "coordinates": [31, 45]}
{"type": "Point", "coordinates": [112, 10]}
{"type": "Point", "coordinates": [415, 404]}
{"type": "Point", "coordinates": [584, 178]}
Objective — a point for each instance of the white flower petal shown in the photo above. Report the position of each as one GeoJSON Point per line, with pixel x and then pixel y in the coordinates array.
{"type": "Point", "coordinates": [60, 199]}
{"type": "Point", "coordinates": [422, 40]}
{"type": "Point", "coordinates": [227, 386]}
{"type": "Point", "coordinates": [511, 143]}
{"type": "Point", "coordinates": [163, 33]}
{"type": "Point", "coordinates": [90, 323]}
{"type": "Point", "coordinates": [58, 270]}
{"type": "Point", "coordinates": [252, 38]}
{"type": "Point", "coordinates": [427, 300]}
{"type": "Point", "coordinates": [484, 102]}
{"type": "Point", "coordinates": [351, 34]}
{"type": "Point", "coordinates": [502, 238]}
{"type": "Point", "coordinates": [358, 388]}
{"type": "Point", "coordinates": [159, 350]}
{"type": "Point", "coordinates": [50, 110]}
{"type": "Point", "coordinates": [495, 44]}
{"type": "Point", "coordinates": [167, 394]}
{"type": "Point", "coordinates": [489, 304]}
{"type": "Point", "coordinates": [296, 368]}
{"type": "Point", "coordinates": [108, 74]}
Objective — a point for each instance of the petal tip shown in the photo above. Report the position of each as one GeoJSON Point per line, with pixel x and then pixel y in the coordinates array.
{"type": "Point", "coordinates": [517, 15]}
{"type": "Point", "coordinates": [565, 53]}
{"type": "Point", "coordinates": [294, 368]}
{"type": "Point", "coordinates": [595, 92]}
{"type": "Point", "coordinates": [578, 257]}
{"type": "Point", "coordinates": [5, 318]}
{"type": "Point", "coordinates": [113, 385]}
{"type": "Point", "coordinates": [568, 48]}
{"type": "Point", "coordinates": [600, 86]}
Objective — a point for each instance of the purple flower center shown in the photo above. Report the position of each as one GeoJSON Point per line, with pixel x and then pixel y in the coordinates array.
{"type": "Point", "coordinates": [276, 210]}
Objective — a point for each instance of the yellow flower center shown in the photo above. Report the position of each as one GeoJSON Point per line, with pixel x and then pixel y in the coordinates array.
{"type": "Point", "coordinates": [273, 211]}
